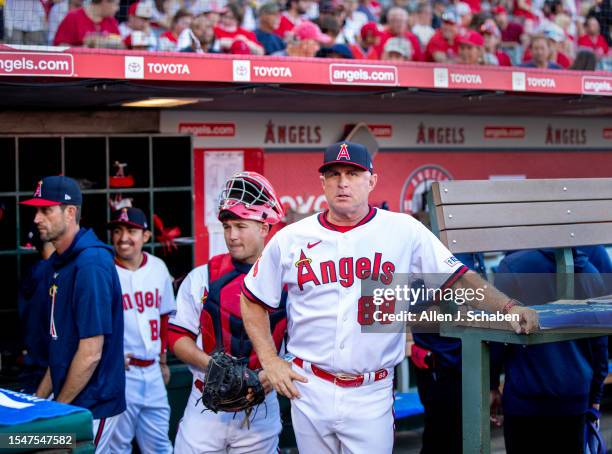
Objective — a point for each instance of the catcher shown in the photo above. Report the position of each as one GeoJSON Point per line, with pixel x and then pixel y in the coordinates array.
{"type": "Point", "coordinates": [232, 407]}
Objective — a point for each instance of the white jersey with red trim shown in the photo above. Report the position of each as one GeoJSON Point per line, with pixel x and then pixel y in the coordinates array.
{"type": "Point", "coordinates": [323, 269]}
{"type": "Point", "coordinates": [147, 293]}
{"type": "Point", "coordinates": [189, 302]}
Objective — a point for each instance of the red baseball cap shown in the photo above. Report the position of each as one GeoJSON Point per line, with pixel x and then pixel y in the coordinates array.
{"type": "Point", "coordinates": [140, 9]}
{"type": "Point", "coordinates": [489, 27]}
{"type": "Point", "coordinates": [239, 47]}
{"type": "Point", "coordinates": [370, 27]}
{"type": "Point", "coordinates": [499, 9]}
{"type": "Point", "coordinates": [471, 38]}
{"type": "Point", "coordinates": [309, 30]}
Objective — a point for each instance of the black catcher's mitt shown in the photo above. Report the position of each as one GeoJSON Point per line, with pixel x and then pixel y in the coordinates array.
{"type": "Point", "coordinates": [228, 381]}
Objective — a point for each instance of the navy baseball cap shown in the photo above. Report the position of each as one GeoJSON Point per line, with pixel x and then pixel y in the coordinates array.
{"type": "Point", "coordinates": [348, 153]}
{"type": "Point", "coordinates": [55, 190]}
{"type": "Point", "coordinates": [132, 217]}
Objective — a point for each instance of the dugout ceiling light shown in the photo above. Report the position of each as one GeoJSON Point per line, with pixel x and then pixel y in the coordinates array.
{"type": "Point", "coordinates": [158, 103]}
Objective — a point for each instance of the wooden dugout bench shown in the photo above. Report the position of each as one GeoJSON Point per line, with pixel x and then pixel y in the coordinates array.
{"type": "Point", "coordinates": [503, 215]}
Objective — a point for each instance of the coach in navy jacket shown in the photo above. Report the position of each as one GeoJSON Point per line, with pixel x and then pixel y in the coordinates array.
{"type": "Point", "coordinates": [548, 387]}
{"type": "Point", "coordinates": [85, 331]}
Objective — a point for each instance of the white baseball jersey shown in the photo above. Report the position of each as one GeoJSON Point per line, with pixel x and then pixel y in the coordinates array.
{"type": "Point", "coordinates": [323, 269]}
{"type": "Point", "coordinates": [189, 307]}
{"type": "Point", "coordinates": [201, 430]}
{"type": "Point", "coordinates": [147, 293]}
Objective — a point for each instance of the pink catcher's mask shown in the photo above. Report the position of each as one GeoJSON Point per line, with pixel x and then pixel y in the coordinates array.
{"type": "Point", "coordinates": [249, 195]}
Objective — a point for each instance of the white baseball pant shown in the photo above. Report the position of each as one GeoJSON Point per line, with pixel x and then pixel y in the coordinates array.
{"type": "Point", "coordinates": [329, 419]}
{"type": "Point", "coordinates": [147, 416]}
{"type": "Point", "coordinates": [201, 431]}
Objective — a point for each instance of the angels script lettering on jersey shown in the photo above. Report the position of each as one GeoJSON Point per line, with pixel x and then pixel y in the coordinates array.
{"type": "Point", "coordinates": [141, 300]}
{"type": "Point", "coordinates": [345, 271]}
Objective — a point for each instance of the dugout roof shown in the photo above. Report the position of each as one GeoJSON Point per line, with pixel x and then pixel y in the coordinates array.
{"type": "Point", "coordinates": [98, 79]}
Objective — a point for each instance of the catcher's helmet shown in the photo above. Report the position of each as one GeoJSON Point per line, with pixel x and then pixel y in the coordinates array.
{"type": "Point", "coordinates": [249, 195]}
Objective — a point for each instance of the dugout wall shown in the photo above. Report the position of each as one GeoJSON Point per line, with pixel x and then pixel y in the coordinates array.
{"type": "Point", "coordinates": [162, 173]}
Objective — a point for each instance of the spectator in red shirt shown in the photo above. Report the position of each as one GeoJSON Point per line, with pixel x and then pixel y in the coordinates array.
{"type": "Point", "coordinates": [365, 49]}
{"type": "Point", "coordinates": [443, 45]}
{"type": "Point", "coordinates": [296, 13]}
{"type": "Point", "coordinates": [492, 39]}
{"type": "Point", "coordinates": [471, 48]}
{"type": "Point", "coordinates": [168, 41]}
{"type": "Point", "coordinates": [593, 39]}
{"type": "Point", "coordinates": [397, 27]}
{"type": "Point", "coordinates": [512, 33]}
{"type": "Point", "coordinates": [228, 30]}
{"type": "Point", "coordinates": [85, 24]}
{"type": "Point", "coordinates": [602, 10]}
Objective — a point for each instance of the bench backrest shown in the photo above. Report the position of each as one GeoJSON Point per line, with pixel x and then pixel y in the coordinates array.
{"type": "Point", "coordinates": [499, 215]}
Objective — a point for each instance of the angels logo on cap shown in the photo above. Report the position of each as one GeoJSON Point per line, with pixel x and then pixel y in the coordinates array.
{"type": "Point", "coordinates": [55, 190]}
{"type": "Point", "coordinates": [38, 192]}
{"type": "Point", "coordinates": [348, 153]}
{"type": "Point", "coordinates": [343, 153]}
{"type": "Point", "coordinates": [130, 217]}
{"type": "Point", "coordinates": [123, 217]}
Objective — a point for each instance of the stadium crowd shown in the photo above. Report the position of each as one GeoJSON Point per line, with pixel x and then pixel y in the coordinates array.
{"type": "Point", "coordinates": [554, 34]}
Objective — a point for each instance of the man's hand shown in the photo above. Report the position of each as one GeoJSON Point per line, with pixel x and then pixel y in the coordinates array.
{"type": "Point", "coordinates": [263, 378]}
{"type": "Point", "coordinates": [593, 415]}
{"type": "Point", "coordinates": [165, 371]}
{"type": "Point", "coordinates": [267, 386]}
{"type": "Point", "coordinates": [126, 360]}
{"type": "Point", "coordinates": [45, 388]}
{"type": "Point", "coordinates": [496, 403]}
{"type": "Point", "coordinates": [280, 375]}
{"type": "Point", "coordinates": [528, 320]}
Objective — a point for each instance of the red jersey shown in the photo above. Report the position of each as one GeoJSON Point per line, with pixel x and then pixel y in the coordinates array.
{"type": "Point", "coordinates": [416, 44]}
{"type": "Point", "coordinates": [527, 14]}
{"type": "Point", "coordinates": [474, 5]}
{"type": "Point", "coordinates": [361, 54]}
{"type": "Point", "coordinates": [503, 58]}
{"type": "Point", "coordinates": [169, 36]}
{"type": "Point", "coordinates": [599, 45]}
{"type": "Point", "coordinates": [221, 33]}
{"type": "Point", "coordinates": [512, 33]}
{"type": "Point", "coordinates": [438, 43]}
{"type": "Point", "coordinates": [285, 25]}
{"type": "Point", "coordinates": [77, 25]}
{"type": "Point", "coordinates": [220, 324]}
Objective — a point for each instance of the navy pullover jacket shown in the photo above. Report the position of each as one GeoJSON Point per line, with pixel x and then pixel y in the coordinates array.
{"type": "Point", "coordinates": [561, 378]}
